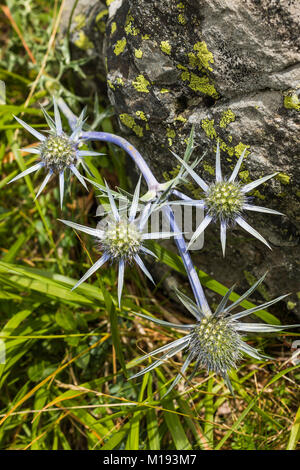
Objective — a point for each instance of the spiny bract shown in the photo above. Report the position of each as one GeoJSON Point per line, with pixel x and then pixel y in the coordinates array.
{"type": "Point", "coordinates": [224, 200]}
{"type": "Point", "coordinates": [122, 238]}
{"type": "Point", "coordinates": [215, 340]}
{"type": "Point", "coordinates": [58, 151]}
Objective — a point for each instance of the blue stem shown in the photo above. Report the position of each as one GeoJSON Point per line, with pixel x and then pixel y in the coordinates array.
{"type": "Point", "coordinates": [153, 184]}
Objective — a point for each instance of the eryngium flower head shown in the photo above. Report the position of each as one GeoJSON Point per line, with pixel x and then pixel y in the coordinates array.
{"type": "Point", "coordinates": [215, 340]}
{"type": "Point", "coordinates": [215, 344]}
{"type": "Point", "coordinates": [225, 200]}
{"type": "Point", "coordinates": [57, 152]}
{"type": "Point", "coordinates": [122, 239]}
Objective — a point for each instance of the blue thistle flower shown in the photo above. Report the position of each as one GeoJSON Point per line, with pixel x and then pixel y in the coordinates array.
{"type": "Point", "coordinates": [225, 200]}
{"type": "Point", "coordinates": [215, 340]}
{"type": "Point", "coordinates": [57, 152]}
{"type": "Point", "coordinates": [122, 239]}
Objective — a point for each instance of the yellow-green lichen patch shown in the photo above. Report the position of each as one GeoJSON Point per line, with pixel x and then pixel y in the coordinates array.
{"type": "Point", "coordinates": [283, 178]}
{"type": "Point", "coordinates": [180, 6]}
{"type": "Point", "coordinates": [101, 25]}
{"type": "Point", "coordinates": [239, 148]}
{"type": "Point", "coordinates": [185, 76]}
{"type": "Point", "coordinates": [101, 15]}
{"type": "Point", "coordinates": [109, 2]}
{"type": "Point", "coordinates": [113, 28]}
{"type": "Point", "coordinates": [110, 85]}
{"type": "Point", "coordinates": [259, 195]}
{"type": "Point", "coordinates": [165, 46]}
{"type": "Point", "coordinates": [83, 42]}
{"type": "Point", "coordinates": [244, 176]}
{"type": "Point", "coordinates": [120, 81]}
{"type": "Point", "coordinates": [181, 19]}
{"type": "Point", "coordinates": [120, 46]}
{"type": "Point", "coordinates": [129, 26]}
{"type": "Point", "coordinates": [138, 53]}
{"type": "Point", "coordinates": [181, 67]}
{"type": "Point", "coordinates": [180, 118]}
{"type": "Point", "coordinates": [227, 117]}
{"type": "Point", "coordinates": [209, 168]}
{"type": "Point", "coordinates": [80, 21]}
{"type": "Point", "coordinates": [170, 133]}
{"type": "Point", "coordinates": [201, 84]}
{"type": "Point", "coordinates": [147, 127]}
{"type": "Point", "coordinates": [202, 58]}
{"type": "Point", "coordinates": [141, 115]}
{"type": "Point", "coordinates": [165, 90]}
{"type": "Point", "coordinates": [291, 305]}
{"type": "Point", "coordinates": [141, 84]}
{"type": "Point", "coordinates": [145, 37]}
{"type": "Point", "coordinates": [208, 127]}
{"type": "Point", "coordinates": [292, 102]}
{"type": "Point", "coordinates": [129, 121]}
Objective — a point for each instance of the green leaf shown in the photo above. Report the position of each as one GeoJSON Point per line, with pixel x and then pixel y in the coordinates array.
{"type": "Point", "coordinates": [295, 432]}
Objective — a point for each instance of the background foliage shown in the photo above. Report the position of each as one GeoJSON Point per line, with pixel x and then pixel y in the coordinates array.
{"type": "Point", "coordinates": [64, 384]}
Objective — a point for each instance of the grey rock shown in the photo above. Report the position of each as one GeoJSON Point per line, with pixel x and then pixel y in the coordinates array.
{"type": "Point", "coordinates": [230, 67]}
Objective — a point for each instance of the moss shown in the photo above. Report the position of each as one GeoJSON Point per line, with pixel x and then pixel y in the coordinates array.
{"type": "Point", "coordinates": [209, 168]}
{"type": "Point", "coordinates": [83, 42]}
{"type": "Point", "coordinates": [208, 127]}
{"type": "Point", "coordinates": [292, 102]}
{"type": "Point", "coordinates": [165, 90]}
{"type": "Point", "coordinates": [113, 28]}
{"type": "Point", "coordinates": [138, 53]}
{"type": "Point", "coordinates": [147, 127]}
{"type": "Point", "coordinates": [227, 117]}
{"type": "Point", "coordinates": [129, 121]}
{"type": "Point", "coordinates": [141, 84]}
{"type": "Point", "coordinates": [283, 178]}
{"type": "Point", "coordinates": [120, 46]}
{"type": "Point", "coordinates": [181, 19]}
{"type": "Point", "coordinates": [165, 47]}
{"type": "Point", "coordinates": [261, 289]}
{"type": "Point", "coordinates": [291, 305]}
{"type": "Point", "coordinates": [141, 115]}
